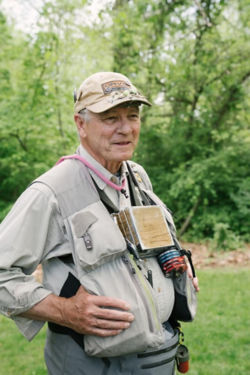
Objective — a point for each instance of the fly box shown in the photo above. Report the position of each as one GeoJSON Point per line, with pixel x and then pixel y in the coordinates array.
{"type": "Point", "coordinates": [146, 228]}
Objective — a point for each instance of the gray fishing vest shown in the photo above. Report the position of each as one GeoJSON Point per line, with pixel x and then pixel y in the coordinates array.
{"type": "Point", "coordinates": [102, 263]}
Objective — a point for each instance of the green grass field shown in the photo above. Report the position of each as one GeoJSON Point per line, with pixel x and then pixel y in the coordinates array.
{"type": "Point", "coordinates": [218, 340]}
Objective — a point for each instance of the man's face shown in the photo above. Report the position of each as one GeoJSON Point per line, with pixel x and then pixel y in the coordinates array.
{"type": "Point", "coordinates": [110, 137]}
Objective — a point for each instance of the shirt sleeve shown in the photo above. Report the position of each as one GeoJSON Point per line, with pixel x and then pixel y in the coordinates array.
{"type": "Point", "coordinates": [27, 235]}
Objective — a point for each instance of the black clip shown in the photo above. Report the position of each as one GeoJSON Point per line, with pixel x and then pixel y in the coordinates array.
{"type": "Point", "coordinates": [123, 191]}
{"type": "Point", "coordinates": [150, 277]}
{"type": "Point", "coordinates": [133, 250]}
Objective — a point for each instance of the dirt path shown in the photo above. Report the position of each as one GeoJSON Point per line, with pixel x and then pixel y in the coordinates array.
{"type": "Point", "coordinates": [203, 258]}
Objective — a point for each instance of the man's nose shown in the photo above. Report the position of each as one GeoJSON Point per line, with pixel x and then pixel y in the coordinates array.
{"type": "Point", "coordinates": [124, 125]}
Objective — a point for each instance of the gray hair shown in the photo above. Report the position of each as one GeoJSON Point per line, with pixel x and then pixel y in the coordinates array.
{"type": "Point", "coordinates": [84, 113]}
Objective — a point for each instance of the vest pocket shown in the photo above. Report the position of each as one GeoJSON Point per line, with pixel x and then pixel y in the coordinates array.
{"type": "Point", "coordinates": [119, 279]}
{"type": "Point", "coordinates": [96, 238]}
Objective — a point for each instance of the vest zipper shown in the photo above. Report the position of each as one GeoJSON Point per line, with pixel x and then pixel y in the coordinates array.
{"type": "Point", "coordinates": [146, 296]}
{"type": "Point", "coordinates": [157, 352]}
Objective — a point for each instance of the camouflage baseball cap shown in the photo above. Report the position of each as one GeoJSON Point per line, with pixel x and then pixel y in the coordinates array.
{"type": "Point", "coordinates": [105, 90]}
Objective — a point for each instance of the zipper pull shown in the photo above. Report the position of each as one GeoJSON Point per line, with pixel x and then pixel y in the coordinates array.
{"type": "Point", "coordinates": [129, 265]}
{"type": "Point", "coordinates": [150, 277]}
{"type": "Point", "coordinates": [88, 241]}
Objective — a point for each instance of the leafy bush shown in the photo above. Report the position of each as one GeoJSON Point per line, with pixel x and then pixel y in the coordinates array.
{"type": "Point", "coordinates": [224, 238]}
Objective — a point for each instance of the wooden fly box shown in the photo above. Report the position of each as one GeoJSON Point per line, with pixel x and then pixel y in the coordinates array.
{"type": "Point", "coordinates": [145, 226]}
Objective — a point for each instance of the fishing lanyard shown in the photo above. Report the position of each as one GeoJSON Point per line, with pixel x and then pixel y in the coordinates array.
{"type": "Point", "coordinates": [98, 173]}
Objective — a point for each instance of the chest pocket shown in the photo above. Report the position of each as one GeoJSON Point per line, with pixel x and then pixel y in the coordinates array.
{"type": "Point", "coordinates": [96, 238]}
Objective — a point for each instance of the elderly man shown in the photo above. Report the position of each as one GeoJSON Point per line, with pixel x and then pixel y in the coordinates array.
{"type": "Point", "coordinates": [101, 319]}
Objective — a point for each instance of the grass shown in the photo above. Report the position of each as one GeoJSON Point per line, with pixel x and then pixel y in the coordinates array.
{"type": "Point", "coordinates": [218, 339]}
{"type": "Point", "coordinates": [17, 356]}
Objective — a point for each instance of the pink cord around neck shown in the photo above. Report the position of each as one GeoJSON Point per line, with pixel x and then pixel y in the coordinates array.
{"type": "Point", "coordinates": [99, 174]}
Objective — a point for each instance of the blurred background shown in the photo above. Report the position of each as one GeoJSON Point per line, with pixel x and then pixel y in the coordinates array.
{"type": "Point", "coordinates": [189, 57]}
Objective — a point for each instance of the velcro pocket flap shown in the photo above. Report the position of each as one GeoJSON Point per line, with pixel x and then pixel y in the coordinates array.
{"type": "Point", "coordinates": [97, 238]}
{"type": "Point", "coordinates": [82, 221]}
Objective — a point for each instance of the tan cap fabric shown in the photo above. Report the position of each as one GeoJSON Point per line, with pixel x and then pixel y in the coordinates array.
{"type": "Point", "coordinates": [105, 90]}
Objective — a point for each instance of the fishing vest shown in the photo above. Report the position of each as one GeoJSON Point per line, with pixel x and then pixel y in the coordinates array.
{"type": "Point", "coordinates": [101, 262]}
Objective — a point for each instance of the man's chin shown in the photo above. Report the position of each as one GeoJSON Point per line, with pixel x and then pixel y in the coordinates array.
{"type": "Point", "coordinates": [124, 156]}
{"type": "Point", "coordinates": [125, 151]}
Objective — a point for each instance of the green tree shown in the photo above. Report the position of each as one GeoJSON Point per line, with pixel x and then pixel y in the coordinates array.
{"type": "Point", "coordinates": [191, 59]}
{"type": "Point", "coordinates": [38, 75]}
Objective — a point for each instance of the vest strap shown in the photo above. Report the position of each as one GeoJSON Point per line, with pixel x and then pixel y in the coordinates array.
{"type": "Point", "coordinates": [69, 289]}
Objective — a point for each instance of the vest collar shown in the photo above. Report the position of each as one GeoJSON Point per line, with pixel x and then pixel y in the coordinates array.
{"type": "Point", "coordinates": [100, 183]}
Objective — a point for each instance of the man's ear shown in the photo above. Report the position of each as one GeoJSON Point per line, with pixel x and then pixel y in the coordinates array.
{"type": "Point", "coordinates": [80, 123]}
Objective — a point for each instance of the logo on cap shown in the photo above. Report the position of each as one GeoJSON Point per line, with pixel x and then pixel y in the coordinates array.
{"type": "Point", "coordinates": [111, 86]}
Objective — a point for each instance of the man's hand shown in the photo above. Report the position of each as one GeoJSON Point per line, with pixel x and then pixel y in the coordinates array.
{"type": "Point", "coordinates": [95, 315]}
{"type": "Point", "coordinates": [85, 313]}
{"type": "Point", "coordinates": [195, 280]}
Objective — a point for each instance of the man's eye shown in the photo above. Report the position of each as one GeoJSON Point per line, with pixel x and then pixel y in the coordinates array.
{"type": "Point", "coordinates": [110, 118]}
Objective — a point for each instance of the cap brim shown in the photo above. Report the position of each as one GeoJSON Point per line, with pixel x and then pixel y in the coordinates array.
{"type": "Point", "coordinates": [105, 104]}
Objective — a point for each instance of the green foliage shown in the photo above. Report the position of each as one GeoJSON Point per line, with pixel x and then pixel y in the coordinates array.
{"type": "Point", "coordinates": [195, 141]}
{"type": "Point", "coordinates": [37, 83]}
{"type": "Point", "coordinates": [189, 58]}
{"type": "Point", "coordinates": [4, 209]}
{"type": "Point", "coordinates": [224, 238]}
